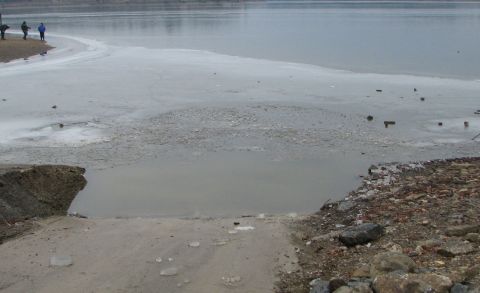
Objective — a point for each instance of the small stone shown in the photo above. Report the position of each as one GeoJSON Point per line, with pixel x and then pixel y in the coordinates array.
{"type": "Point", "coordinates": [158, 259]}
{"type": "Point", "coordinates": [369, 117]}
{"type": "Point", "coordinates": [422, 99]}
{"type": "Point", "coordinates": [362, 272]}
{"type": "Point", "coordinates": [319, 286]}
{"type": "Point", "coordinates": [397, 282]}
{"type": "Point", "coordinates": [387, 262]}
{"type": "Point", "coordinates": [363, 288]}
{"type": "Point", "coordinates": [459, 288]}
{"type": "Point", "coordinates": [473, 237]}
{"type": "Point", "coordinates": [61, 261]}
{"type": "Point", "coordinates": [336, 283]}
{"type": "Point", "coordinates": [345, 206]}
{"type": "Point", "coordinates": [462, 230]}
{"type": "Point", "coordinates": [361, 234]}
{"type": "Point", "coordinates": [427, 244]}
{"type": "Point", "coordinates": [54, 107]}
{"type": "Point", "coordinates": [454, 247]}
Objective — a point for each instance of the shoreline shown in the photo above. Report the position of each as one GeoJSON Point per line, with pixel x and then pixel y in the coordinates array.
{"type": "Point", "coordinates": [429, 215]}
{"type": "Point", "coordinates": [423, 208]}
{"type": "Point", "coordinates": [14, 48]}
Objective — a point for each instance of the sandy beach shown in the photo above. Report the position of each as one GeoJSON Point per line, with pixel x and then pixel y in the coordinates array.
{"type": "Point", "coordinates": [14, 47]}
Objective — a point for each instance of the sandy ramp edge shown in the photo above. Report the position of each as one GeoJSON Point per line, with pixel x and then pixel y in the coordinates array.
{"type": "Point", "coordinates": [120, 255]}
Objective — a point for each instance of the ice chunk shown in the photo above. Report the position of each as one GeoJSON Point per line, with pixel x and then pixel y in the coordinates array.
{"type": "Point", "coordinates": [244, 228]}
{"type": "Point", "coordinates": [194, 244]}
{"type": "Point", "coordinates": [158, 259]}
{"type": "Point", "coordinates": [61, 261]}
{"type": "Point", "coordinates": [173, 271]}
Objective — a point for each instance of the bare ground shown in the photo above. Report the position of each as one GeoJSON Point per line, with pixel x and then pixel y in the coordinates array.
{"type": "Point", "coordinates": [119, 255]}
{"type": "Point", "coordinates": [14, 47]}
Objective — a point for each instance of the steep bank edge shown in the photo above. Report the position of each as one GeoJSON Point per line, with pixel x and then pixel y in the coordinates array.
{"type": "Point", "coordinates": [28, 191]}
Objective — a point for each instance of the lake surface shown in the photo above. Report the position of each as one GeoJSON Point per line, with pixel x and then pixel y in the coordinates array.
{"type": "Point", "coordinates": [424, 38]}
{"type": "Point", "coordinates": [239, 108]}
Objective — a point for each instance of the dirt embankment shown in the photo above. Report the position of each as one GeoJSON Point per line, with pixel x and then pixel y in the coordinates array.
{"type": "Point", "coordinates": [14, 47]}
{"type": "Point", "coordinates": [27, 192]}
{"type": "Point", "coordinates": [408, 228]}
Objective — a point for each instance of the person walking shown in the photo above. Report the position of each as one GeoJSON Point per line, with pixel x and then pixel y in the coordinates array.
{"type": "Point", "coordinates": [25, 29]}
{"type": "Point", "coordinates": [41, 29]}
{"type": "Point", "coordinates": [3, 28]}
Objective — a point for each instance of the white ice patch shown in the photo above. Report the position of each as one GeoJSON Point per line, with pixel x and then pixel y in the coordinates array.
{"type": "Point", "coordinates": [28, 133]}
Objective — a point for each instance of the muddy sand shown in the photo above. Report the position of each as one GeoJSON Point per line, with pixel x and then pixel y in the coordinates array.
{"type": "Point", "coordinates": [14, 47]}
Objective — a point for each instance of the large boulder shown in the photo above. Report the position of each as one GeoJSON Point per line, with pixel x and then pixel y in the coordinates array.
{"type": "Point", "coordinates": [398, 282]}
{"type": "Point", "coordinates": [361, 234]}
{"type": "Point", "coordinates": [387, 262]}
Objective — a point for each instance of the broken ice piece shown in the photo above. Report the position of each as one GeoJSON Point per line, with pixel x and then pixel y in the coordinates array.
{"type": "Point", "coordinates": [169, 272]}
{"type": "Point", "coordinates": [194, 244]}
{"type": "Point", "coordinates": [244, 228]}
{"type": "Point", "coordinates": [61, 261]}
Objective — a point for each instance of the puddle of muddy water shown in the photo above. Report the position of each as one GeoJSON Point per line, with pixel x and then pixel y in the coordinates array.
{"type": "Point", "coordinates": [218, 185]}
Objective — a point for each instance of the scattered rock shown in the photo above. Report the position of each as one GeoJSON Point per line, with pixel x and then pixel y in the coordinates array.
{"type": "Point", "coordinates": [466, 124]}
{"type": "Point", "coordinates": [387, 123]}
{"type": "Point", "coordinates": [462, 230]}
{"type": "Point", "coordinates": [369, 117]}
{"type": "Point", "coordinates": [440, 123]}
{"type": "Point", "coordinates": [431, 243]}
{"type": "Point", "coordinates": [459, 288]}
{"type": "Point", "coordinates": [379, 91]}
{"type": "Point", "coordinates": [473, 237]}
{"type": "Point", "coordinates": [54, 107]}
{"type": "Point", "coordinates": [362, 272]}
{"type": "Point", "coordinates": [336, 283]}
{"type": "Point", "coordinates": [454, 247]}
{"type": "Point", "coordinates": [361, 234]}
{"type": "Point", "coordinates": [357, 289]}
{"type": "Point", "coordinates": [422, 99]}
{"type": "Point", "coordinates": [319, 286]}
{"type": "Point", "coordinates": [387, 262]}
{"type": "Point", "coordinates": [345, 206]}
{"type": "Point", "coordinates": [61, 261]}
{"type": "Point", "coordinates": [397, 282]}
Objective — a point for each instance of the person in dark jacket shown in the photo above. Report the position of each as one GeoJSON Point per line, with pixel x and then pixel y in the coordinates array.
{"type": "Point", "coordinates": [3, 28]}
{"type": "Point", "coordinates": [41, 29]}
{"type": "Point", "coordinates": [25, 29]}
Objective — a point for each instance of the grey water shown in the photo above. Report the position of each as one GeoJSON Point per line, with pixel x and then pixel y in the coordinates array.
{"type": "Point", "coordinates": [104, 98]}
{"type": "Point", "coordinates": [408, 37]}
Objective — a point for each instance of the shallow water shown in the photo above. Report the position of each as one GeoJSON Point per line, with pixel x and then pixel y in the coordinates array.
{"type": "Point", "coordinates": [222, 184]}
{"type": "Point", "coordinates": [166, 129]}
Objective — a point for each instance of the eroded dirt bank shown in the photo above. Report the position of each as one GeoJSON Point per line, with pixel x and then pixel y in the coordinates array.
{"type": "Point", "coordinates": [408, 228]}
{"type": "Point", "coordinates": [28, 192]}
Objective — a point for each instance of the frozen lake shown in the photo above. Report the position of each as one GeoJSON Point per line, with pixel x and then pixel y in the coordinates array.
{"type": "Point", "coordinates": [241, 108]}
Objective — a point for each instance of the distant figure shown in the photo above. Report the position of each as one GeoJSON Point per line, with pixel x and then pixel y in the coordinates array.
{"type": "Point", "coordinates": [41, 29]}
{"type": "Point", "coordinates": [25, 29]}
{"type": "Point", "coordinates": [3, 28]}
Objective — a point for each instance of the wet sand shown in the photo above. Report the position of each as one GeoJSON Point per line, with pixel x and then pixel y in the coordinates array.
{"type": "Point", "coordinates": [14, 47]}
{"type": "Point", "coordinates": [120, 255]}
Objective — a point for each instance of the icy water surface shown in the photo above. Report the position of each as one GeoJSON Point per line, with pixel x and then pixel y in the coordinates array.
{"type": "Point", "coordinates": [199, 112]}
{"type": "Point", "coordinates": [412, 37]}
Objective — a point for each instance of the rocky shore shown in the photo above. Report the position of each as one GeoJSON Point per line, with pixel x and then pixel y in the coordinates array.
{"type": "Point", "coordinates": [408, 228]}
{"type": "Point", "coordinates": [31, 192]}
